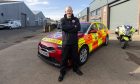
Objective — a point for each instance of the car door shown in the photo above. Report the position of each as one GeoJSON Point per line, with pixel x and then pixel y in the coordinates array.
{"type": "Point", "coordinates": [93, 32]}
{"type": "Point", "coordinates": [101, 33]}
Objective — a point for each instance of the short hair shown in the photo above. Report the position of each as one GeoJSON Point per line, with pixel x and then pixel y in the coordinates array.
{"type": "Point", "coordinates": [68, 7]}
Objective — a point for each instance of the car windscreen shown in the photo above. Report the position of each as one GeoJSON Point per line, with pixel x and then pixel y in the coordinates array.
{"type": "Point", "coordinates": [84, 27]}
{"type": "Point", "coordinates": [6, 22]}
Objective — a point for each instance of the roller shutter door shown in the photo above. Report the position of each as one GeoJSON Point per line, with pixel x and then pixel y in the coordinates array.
{"type": "Point", "coordinates": [124, 13]}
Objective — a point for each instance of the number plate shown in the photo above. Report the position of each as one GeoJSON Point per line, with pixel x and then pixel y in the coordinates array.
{"type": "Point", "coordinates": [44, 53]}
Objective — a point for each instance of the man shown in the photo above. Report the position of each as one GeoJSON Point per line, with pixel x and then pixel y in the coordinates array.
{"type": "Point", "coordinates": [70, 27]}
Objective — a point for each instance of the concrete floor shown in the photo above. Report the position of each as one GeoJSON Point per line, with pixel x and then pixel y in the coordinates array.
{"type": "Point", "coordinates": [110, 64]}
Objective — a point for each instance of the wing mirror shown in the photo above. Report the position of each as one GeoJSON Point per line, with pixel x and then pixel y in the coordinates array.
{"type": "Point", "coordinates": [93, 31]}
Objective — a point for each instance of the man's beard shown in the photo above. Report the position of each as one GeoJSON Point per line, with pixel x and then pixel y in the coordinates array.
{"type": "Point", "coordinates": [69, 16]}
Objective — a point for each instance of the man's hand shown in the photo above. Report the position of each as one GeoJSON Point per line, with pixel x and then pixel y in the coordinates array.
{"type": "Point", "coordinates": [75, 26]}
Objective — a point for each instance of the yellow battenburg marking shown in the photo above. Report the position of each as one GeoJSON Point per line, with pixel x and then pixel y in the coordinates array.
{"type": "Point", "coordinates": [81, 41]}
{"type": "Point", "coordinates": [126, 38]}
{"type": "Point", "coordinates": [103, 32]}
{"type": "Point", "coordinates": [90, 47]}
{"type": "Point", "coordinates": [94, 36]}
{"type": "Point", "coordinates": [52, 40]}
{"type": "Point", "coordinates": [100, 41]}
{"type": "Point", "coordinates": [132, 30]}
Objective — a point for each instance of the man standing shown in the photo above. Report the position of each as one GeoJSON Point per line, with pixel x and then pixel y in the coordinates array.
{"type": "Point", "coordinates": [70, 27]}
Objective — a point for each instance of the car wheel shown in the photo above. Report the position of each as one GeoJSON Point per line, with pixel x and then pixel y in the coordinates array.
{"type": "Point", "coordinates": [106, 40]}
{"type": "Point", "coordinates": [124, 44]}
{"type": "Point", "coordinates": [10, 27]}
{"type": "Point", "coordinates": [83, 55]}
{"type": "Point", "coordinates": [19, 27]}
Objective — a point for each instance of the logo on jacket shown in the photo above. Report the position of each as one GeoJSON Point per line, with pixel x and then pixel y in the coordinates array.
{"type": "Point", "coordinates": [73, 21]}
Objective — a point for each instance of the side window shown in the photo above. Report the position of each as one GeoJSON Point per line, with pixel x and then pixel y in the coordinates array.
{"type": "Point", "coordinates": [100, 26]}
{"type": "Point", "coordinates": [94, 27]}
{"type": "Point", "coordinates": [11, 22]}
{"type": "Point", "coordinates": [104, 26]}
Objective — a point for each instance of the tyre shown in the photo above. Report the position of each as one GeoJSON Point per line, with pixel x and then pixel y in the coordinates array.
{"type": "Point", "coordinates": [124, 44]}
{"type": "Point", "coordinates": [19, 27]}
{"type": "Point", "coordinates": [106, 40]}
{"type": "Point", "coordinates": [10, 27]}
{"type": "Point", "coordinates": [83, 55]}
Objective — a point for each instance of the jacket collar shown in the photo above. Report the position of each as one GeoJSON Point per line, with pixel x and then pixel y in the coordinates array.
{"type": "Point", "coordinates": [65, 16]}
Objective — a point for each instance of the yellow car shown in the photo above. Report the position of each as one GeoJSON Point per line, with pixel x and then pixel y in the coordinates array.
{"type": "Point", "coordinates": [91, 36]}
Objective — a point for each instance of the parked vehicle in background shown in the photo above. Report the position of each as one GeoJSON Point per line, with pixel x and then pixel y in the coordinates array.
{"type": "Point", "coordinates": [49, 25]}
{"type": "Point", "coordinates": [124, 34]}
{"type": "Point", "coordinates": [11, 24]}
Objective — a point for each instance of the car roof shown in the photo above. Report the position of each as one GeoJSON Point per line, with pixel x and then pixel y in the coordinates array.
{"type": "Point", "coordinates": [85, 22]}
{"type": "Point", "coordinates": [90, 22]}
{"type": "Point", "coordinates": [96, 22]}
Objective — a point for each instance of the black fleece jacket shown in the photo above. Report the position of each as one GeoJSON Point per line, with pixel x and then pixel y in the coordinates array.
{"type": "Point", "coordinates": [70, 28]}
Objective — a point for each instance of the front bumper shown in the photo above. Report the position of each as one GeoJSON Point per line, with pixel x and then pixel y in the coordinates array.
{"type": "Point", "coordinates": [49, 60]}
{"type": "Point", "coordinates": [1, 26]}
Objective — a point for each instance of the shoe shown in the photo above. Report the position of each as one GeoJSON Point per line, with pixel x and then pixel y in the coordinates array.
{"type": "Point", "coordinates": [78, 72]}
{"type": "Point", "coordinates": [61, 77]}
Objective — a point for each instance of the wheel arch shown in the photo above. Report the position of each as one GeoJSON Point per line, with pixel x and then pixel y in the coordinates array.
{"type": "Point", "coordinates": [84, 45]}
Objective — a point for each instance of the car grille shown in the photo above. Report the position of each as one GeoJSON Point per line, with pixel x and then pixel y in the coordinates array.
{"type": "Point", "coordinates": [50, 60]}
{"type": "Point", "coordinates": [60, 47]}
{"type": "Point", "coordinates": [45, 48]}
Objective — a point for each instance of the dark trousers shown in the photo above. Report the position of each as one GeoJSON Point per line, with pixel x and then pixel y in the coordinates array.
{"type": "Point", "coordinates": [69, 51]}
